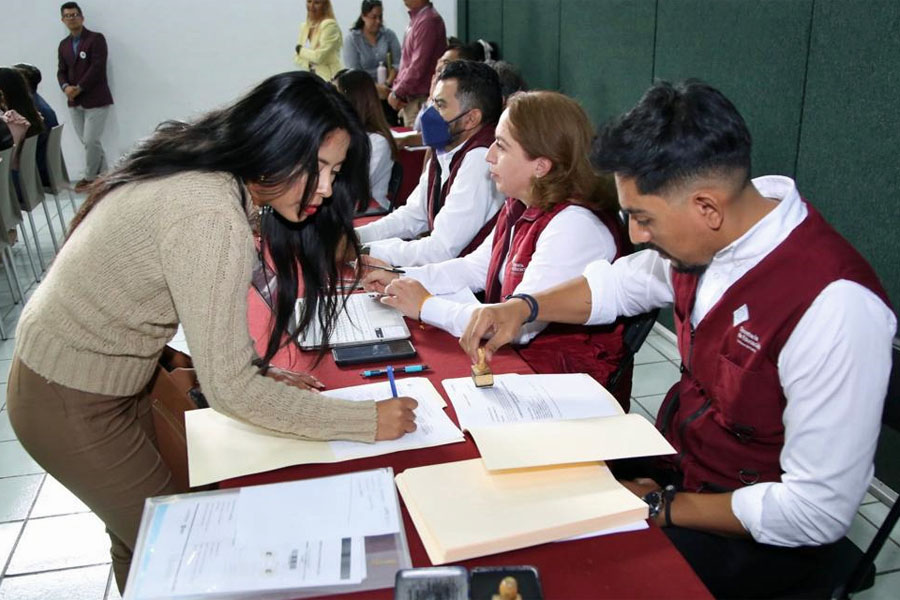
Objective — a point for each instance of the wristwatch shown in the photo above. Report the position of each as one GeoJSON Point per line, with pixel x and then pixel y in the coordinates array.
{"type": "Point", "coordinates": [658, 500]}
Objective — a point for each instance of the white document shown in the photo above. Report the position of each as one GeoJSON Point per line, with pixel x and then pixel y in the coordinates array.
{"type": "Point", "coordinates": [541, 420]}
{"type": "Point", "coordinates": [220, 447]}
{"type": "Point", "coordinates": [527, 398]}
{"type": "Point", "coordinates": [283, 536]}
{"type": "Point", "coordinates": [636, 526]}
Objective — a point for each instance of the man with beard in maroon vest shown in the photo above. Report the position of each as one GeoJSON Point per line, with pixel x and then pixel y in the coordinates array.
{"type": "Point", "coordinates": [455, 204]}
{"type": "Point", "coordinates": [785, 338]}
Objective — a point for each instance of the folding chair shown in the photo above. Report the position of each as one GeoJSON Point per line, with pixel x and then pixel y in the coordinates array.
{"type": "Point", "coordinates": [59, 175]}
{"type": "Point", "coordinates": [637, 328]}
{"type": "Point", "coordinates": [32, 194]}
{"type": "Point", "coordinates": [10, 218]}
{"type": "Point", "coordinates": [887, 473]}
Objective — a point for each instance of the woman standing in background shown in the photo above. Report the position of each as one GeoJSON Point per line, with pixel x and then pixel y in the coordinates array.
{"type": "Point", "coordinates": [370, 44]}
{"type": "Point", "coordinates": [318, 48]}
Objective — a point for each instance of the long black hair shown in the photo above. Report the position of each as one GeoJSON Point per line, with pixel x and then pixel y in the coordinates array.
{"type": "Point", "coordinates": [271, 137]}
{"type": "Point", "coordinates": [18, 98]}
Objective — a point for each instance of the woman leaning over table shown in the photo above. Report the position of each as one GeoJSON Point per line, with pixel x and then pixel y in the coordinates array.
{"type": "Point", "coordinates": [164, 238]}
{"type": "Point", "coordinates": [558, 217]}
{"type": "Point", "coordinates": [318, 48]}
{"type": "Point", "coordinates": [371, 43]}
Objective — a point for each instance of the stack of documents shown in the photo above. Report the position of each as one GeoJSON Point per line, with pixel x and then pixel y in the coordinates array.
{"type": "Point", "coordinates": [332, 535]}
{"type": "Point", "coordinates": [538, 420]}
{"type": "Point", "coordinates": [220, 447]}
{"type": "Point", "coordinates": [539, 479]}
{"type": "Point", "coordinates": [461, 510]}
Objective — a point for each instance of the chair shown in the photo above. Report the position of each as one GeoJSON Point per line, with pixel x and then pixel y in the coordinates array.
{"type": "Point", "coordinates": [59, 175]}
{"type": "Point", "coordinates": [32, 194]}
{"type": "Point", "coordinates": [10, 217]}
{"type": "Point", "coordinates": [174, 390]}
{"type": "Point", "coordinates": [637, 328]}
{"type": "Point", "coordinates": [888, 473]}
{"type": "Point", "coordinates": [392, 193]}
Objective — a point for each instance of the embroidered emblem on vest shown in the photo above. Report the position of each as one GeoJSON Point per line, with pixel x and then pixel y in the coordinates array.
{"type": "Point", "coordinates": [748, 340]}
{"type": "Point", "coordinates": [741, 315]}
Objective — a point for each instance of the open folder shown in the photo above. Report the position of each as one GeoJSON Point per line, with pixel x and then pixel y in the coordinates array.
{"type": "Point", "coordinates": [461, 510]}
{"type": "Point", "coordinates": [538, 420]}
{"type": "Point", "coordinates": [220, 447]}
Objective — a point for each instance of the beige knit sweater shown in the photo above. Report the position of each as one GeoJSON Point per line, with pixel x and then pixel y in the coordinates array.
{"type": "Point", "coordinates": [151, 255]}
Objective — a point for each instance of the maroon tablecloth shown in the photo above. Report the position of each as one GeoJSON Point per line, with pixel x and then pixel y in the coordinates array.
{"type": "Point", "coordinates": [640, 564]}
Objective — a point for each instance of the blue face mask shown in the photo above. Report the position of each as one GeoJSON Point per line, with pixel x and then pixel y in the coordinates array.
{"type": "Point", "coordinates": [435, 130]}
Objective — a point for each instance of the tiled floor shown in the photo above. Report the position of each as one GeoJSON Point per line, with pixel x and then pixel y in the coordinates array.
{"type": "Point", "coordinates": [52, 546]}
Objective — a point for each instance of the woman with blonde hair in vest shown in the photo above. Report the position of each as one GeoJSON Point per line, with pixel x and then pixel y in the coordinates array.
{"type": "Point", "coordinates": [318, 48]}
{"type": "Point", "coordinates": [559, 216]}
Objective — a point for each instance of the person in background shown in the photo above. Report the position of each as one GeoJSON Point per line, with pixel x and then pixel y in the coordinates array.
{"type": "Point", "coordinates": [425, 41]}
{"type": "Point", "coordinates": [539, 159]}
{"type": "Point", "coordinates": [359, 88]}
{"type": "Point", "coordinates": [455, 202]}
{"type": "Point", "coordinates": [318, 48]}
{"type": "Point", "coordinates": [33, 77]}
{"type": "Point", "coordinates": [19, 100]}
{"type": "Point", "coordinates": [371, 44]}
{"type": "Point", "coordinates": [510, 78]}
{"type": "Point", "coordinates": [82, 78]}
{"type": "Point", "coordinates": [785, 337]}
{"type": "Point", "coordinates": [164, 238]}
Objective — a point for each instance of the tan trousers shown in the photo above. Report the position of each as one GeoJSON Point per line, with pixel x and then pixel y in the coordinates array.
{"type": "Point", "coordinates": [411, 110]}
{"type": "Point", "coordinates": [100, 447]}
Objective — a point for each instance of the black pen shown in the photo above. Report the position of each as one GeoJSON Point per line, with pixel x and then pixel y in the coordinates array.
{"type": "Point", "coordinates": [388, 269]}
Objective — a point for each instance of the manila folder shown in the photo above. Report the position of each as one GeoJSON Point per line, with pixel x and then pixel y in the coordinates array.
{"type": "Point", "coordinates": [461, 510]}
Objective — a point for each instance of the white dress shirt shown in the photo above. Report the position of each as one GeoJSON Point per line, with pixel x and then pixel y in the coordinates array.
{"type": "Point", "coordinates": [470, 203]}
{"type": "Point", "coordinates": [380, 165]}
{"type": "Point", "coordinates": [555, 260]}
{"type": "Point", "coordinates": [834, 370]}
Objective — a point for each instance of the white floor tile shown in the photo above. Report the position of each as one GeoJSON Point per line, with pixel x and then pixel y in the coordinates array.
{"type": "Point", "coordinates": [87, 583]}
{"type": "Point", "coordinates": [876, 513]}
{"type": "Point", "coordinates": [664, 346]}
{"type": "Point", "coordinates": [60, 543]}
{"type": "Point", "coordinates": [861, 533]}
{"type": "Point", "coordinates": [648, 355]}
{"type": "Point", "coordinates": [14, 460]}
{"type": "Point", "coordinates": [651, 404]}
{"type": "Point", "coordinates": [653, 379]}
{"type": "Point", "coordinates": [9, 533]}
{"type": "Point", "coordinates": [54, 499]}
{"type": "Point", "coordinates": [112, 590]}
{"type": "Point", "coordinates": [4, 370]}
{"type": "Point", "coordinates": [885, 588]}
{"type": "Point", "coordinates": [17, 495]}
{"type": "Point", "coordinates": [6, 430]}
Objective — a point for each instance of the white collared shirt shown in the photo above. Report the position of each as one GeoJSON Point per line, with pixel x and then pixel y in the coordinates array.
{"type": "Point", "coordinates": [380, 165]}
{"type": "Point", "coordinates": [834, 371]}
{"type": "Point", "coordinates": [555, 260]}
{"type": "Point", "coordinates": [470, 203]}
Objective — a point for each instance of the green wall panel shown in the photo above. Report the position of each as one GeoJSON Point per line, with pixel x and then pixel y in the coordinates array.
{"type": "Point", "coordinates": [755, 52]}
{"type": "Point", "coordinates": [849, 159]}
{"type": "Point", "coordinates": [485, 21]}
{"type": "Point", "coordinates": [606, 53]}
{"type": "Point", "coordinates": [531, 40]}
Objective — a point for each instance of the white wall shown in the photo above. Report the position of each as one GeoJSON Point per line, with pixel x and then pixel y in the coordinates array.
{"type": "Point", "coordinates": [172, 59]}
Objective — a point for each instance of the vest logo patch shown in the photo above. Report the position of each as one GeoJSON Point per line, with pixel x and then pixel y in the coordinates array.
{"type": "Point", "coordinates": [740, 315]}
{"type": "Point", "coordinates": [516, 266]}
{"type": "Point", "coordinates": [748, 340]}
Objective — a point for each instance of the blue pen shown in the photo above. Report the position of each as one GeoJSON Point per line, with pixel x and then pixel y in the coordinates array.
{"type": "Point", "coordinates": [406, 369]}
{"type": "Point", "coordinates": [390, 372]}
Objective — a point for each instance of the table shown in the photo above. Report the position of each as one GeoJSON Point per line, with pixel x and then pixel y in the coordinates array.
{"type": "Point", "coordinates": [641, 564]}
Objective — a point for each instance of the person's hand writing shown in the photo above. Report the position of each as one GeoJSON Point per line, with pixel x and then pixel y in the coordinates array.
{"type": "Point", "coordinates": [499, 321]}
{"type": "Point", "coordinates": [395, 417]}
{"type": "Point", "coordinates": [304, 381]}
{"type": "Point", "coordinates": [406, 295]}
{"type": "Point", "coordinates": [375, 280]}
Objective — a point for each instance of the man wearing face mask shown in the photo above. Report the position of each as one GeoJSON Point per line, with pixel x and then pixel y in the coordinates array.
{"type": "Point", "coordinates": [456, 203]}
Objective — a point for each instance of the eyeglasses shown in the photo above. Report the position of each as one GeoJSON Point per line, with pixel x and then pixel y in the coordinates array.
{"type": "Point", "coordinates": [71, 16]}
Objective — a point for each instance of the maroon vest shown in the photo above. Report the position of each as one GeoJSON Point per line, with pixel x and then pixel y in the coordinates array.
{"type": "Point", "coordinates": [595, 350]}
{"type": "Point", "coordinates": [483, 138]}
{"type": "Point", "coordinates": [724, 417]}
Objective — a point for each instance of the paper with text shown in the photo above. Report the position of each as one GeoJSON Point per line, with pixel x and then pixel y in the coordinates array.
{"type": "Point", "coordinates": [539, 420]}
{"type": "Point", "coordinates": [220, 447]}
